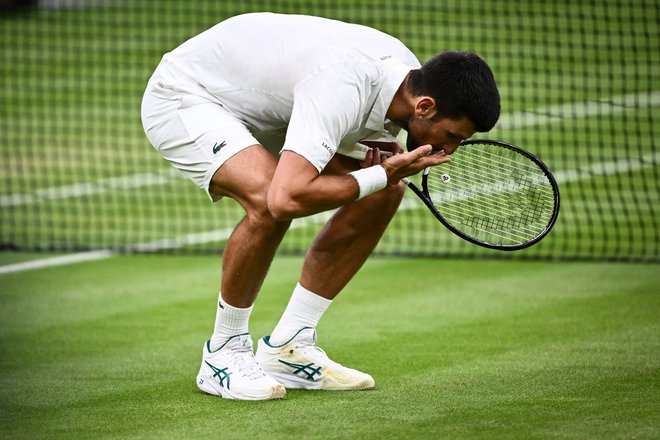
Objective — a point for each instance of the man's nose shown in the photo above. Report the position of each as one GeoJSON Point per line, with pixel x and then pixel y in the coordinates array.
{"type": "Point", "coordinates": [450, 147]}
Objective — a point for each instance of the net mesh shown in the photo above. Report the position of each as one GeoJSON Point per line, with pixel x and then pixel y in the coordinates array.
{"type": "Point", "coordinates": [579, 80]}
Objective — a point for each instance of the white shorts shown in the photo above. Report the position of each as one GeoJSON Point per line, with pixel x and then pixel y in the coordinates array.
{"type": "Point", "coordinates": [194, 134]}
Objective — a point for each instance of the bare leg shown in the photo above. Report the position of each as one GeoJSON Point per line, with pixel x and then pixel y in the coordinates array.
{"type": "Point", "coordinates": [347, 240]}
{"type": "Point", "coordinates": [245, 177]}
{"type": "Point", "coordinates": [338, 252]}
{"type": "Point", "coordinates": [247, 258]}
{"type": "Point", "coordinates": [250, 249]}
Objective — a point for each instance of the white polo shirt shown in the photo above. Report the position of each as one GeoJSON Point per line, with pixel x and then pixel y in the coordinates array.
{"type": "Point", "coordinates": [327, 83]}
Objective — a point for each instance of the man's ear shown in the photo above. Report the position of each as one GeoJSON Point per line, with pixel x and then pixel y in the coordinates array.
{"type": "Point", "coordinates": [425, 107]}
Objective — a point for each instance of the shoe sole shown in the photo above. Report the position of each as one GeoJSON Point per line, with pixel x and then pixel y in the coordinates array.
{"type": "Point", "coordinates": [277, 392]}
{"type": "Point", "coordinates": [294, 382]}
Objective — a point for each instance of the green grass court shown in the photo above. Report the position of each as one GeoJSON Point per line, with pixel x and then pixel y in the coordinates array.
{"type": "Point", "coordinates": [463, 349]}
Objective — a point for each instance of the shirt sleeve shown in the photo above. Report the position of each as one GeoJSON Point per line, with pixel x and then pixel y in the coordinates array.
{"type": "Point", "coordinates": [327, 106]}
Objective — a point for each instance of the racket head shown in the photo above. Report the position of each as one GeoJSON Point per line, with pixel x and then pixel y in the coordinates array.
{"type": "Point", "coordinates": [494, 194]}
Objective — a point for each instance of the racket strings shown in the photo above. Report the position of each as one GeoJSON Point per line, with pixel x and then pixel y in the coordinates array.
{"type": "Point", "coordinates": [485, 183]}
{"type": "Point", "coordinates": [497, 194]}
{"type": "Point", "coordinates": [484, 215]}
{"type": "Point", "coordinates": [494, 194]}
{"type": "Point", "coordinates": [501, 198]}
{"type": "Point", "coordinates": [485, 188]}
{"type": "Point", "coordinates": [485, 221]}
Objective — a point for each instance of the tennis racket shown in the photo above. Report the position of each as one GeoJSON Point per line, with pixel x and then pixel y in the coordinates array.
{"type": "Point", "coordinates": [492, 194]}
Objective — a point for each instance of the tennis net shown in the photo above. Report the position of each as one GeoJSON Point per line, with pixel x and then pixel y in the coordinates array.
{"type": "Point", "coordinates": [580, 85]}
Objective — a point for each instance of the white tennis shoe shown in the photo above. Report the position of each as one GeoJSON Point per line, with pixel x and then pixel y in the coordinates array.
{"type": "Point", "coordinates": [233, 373]}
{"type": "Point", "coordinates": [299, 363]}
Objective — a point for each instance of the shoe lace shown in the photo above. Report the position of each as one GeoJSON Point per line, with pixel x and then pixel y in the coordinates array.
{"type": "Point", "coordinates": [316, 355]}
{"type": "Point", "coordinates": [248, 365]}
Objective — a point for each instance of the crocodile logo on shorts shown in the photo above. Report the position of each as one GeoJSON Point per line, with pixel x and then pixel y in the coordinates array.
{"type": "Point", "coordinates": [217, 146]}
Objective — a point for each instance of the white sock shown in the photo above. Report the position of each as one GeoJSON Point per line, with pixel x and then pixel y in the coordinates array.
{"type": "Point", "coordinates": [304, 310]}
{"type": "Point", "coordinates": [229, 321]}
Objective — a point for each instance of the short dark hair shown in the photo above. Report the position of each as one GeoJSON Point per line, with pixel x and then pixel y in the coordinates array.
{"type": "Point", "coordinates": [462, 85]}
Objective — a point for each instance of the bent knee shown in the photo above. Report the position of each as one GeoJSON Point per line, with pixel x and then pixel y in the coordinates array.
{"type": "Point", "coordinates": [260, 217]}
{"type": "Point", "coordinates": [390, 196]}
{"type": "Point", "coordinates": [253, 199]}
{"type": "Point", "coordinates": [381, 205]}
{"type": "Point", "coordinates": [396, 191]}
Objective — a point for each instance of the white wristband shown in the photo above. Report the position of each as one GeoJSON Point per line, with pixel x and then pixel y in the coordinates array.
{"type": "Point", "coordinates": [370, 180]}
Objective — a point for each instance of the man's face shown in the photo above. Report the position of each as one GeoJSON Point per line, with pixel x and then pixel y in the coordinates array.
{"type": "Point", "coordinates": [443, 134]}
{"type": "Point", "coordinates": [425, 127]}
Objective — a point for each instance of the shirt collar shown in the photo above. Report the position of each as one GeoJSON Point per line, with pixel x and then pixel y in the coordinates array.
{"type": "Point", "coordinates": [394, 72]}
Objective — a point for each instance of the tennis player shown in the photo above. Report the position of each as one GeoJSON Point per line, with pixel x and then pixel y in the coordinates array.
{"type": "Point", "coordinates": [293, 115]}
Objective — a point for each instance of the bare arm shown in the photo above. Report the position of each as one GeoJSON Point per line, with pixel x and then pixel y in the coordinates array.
{"type": "Point", "coordinates": [298, 190]}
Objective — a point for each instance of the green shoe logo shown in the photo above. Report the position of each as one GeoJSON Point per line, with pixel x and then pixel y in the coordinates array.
{"type": "Point", "coordinates": [308, 371]}
{"type": "Point", "coordinates": [221, 374]}
{"type": "Point", "coordinates": [216, 146]}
